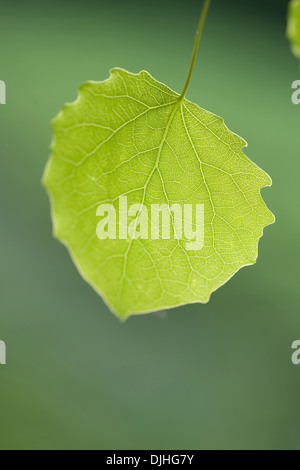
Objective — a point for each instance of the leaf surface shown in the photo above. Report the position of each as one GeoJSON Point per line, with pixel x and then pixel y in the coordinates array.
{"type": "Point", "coordinates": [132, 136]}
{"type": "Point", "coordinates": [294, 26]}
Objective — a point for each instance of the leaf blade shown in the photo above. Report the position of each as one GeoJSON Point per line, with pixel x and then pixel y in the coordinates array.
{"type": "Point", "coordinates": [131, 135]}
{"type": "Point", "coordinates": [293, 30]}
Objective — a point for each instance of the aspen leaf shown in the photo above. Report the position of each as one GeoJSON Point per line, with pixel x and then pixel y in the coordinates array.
{"type": "Point", "coordinates": [131, 136]}
{"type": "Point", "coordinates": [294, 26]}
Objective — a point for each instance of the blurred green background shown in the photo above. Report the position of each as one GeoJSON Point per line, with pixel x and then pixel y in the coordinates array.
{"type": "Point", "coordinates": [215, 376]}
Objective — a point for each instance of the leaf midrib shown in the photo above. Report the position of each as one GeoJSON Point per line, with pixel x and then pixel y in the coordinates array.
{"type": "Point", "coordinates": [155, 167]}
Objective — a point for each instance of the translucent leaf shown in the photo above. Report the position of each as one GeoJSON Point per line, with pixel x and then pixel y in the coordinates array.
{"type": "Point", "coordinates": [132, 136]}
{"type": "Point", "coordinates": [294, 26]}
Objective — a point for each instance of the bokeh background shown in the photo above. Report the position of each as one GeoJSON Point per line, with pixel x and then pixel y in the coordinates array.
{"type": "Point", "coordinates": [215, 376]}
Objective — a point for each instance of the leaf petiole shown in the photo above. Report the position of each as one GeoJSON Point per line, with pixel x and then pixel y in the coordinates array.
{"type": "Point", "coordinates": [196, 45]}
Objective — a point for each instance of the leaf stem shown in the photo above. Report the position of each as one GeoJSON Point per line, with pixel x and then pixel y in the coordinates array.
{"type": "Point", "coordinates": [196, 45]}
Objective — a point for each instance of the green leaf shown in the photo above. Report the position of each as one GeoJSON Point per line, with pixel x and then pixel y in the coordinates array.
{"type": "Point", "coordinates": [131, 135]}
{"type": "Point", "coordinates": [294, 26]}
